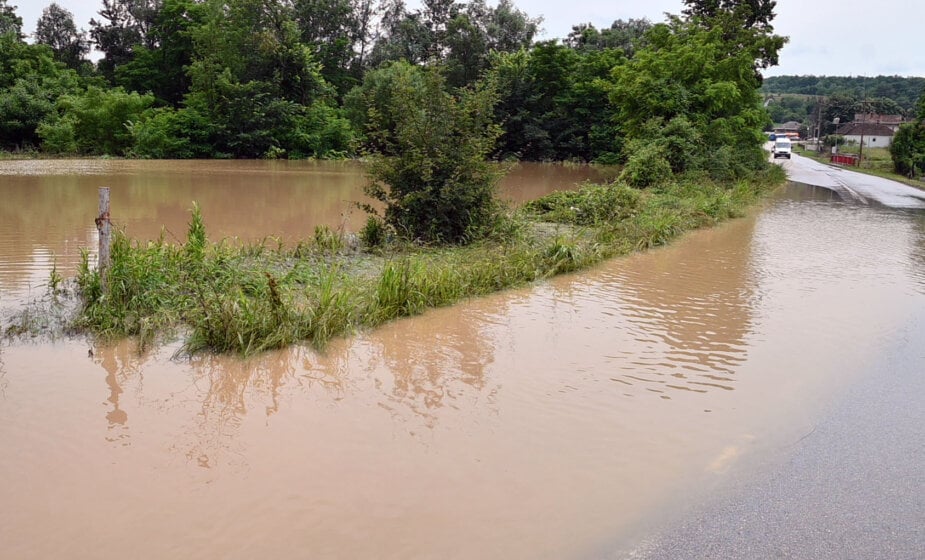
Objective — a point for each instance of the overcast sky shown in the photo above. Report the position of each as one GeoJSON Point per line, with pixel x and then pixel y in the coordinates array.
{"type": "Point", "coordinates": [827, 37]}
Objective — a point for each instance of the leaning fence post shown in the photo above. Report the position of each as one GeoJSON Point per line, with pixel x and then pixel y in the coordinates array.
{"type": "Point", "coordinates": [104, 227]}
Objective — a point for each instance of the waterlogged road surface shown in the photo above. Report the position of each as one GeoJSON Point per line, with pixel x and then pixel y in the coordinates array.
{"type": "Point", "coordinates": [855, 186]}
{"type": "Point", "coordinates": [854, 485]}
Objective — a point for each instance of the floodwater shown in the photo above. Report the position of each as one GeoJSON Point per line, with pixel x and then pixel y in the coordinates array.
{"type": "Point", "coordinates": [48, 207]}
{"type": "Point", "coordinates": [561, 420]}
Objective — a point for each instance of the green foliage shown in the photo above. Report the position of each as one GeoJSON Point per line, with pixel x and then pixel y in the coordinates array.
{"type": "Point", "coordinates": [908, 149]}
{"type": "Point", "coordinates": [647, 165]}
{"type": "Point", "coordinates": [10, 22]}
{"type": "Point", "coordinates": [173, 134]}
{"type": "Point", "coordinates": [96, 122]}
{"type": "Point", "coordinates": [590, 205]}
{"type": "Point", "coordinates": [554, 104]}
{"type": "Point", "coordinates": [374, 232]}
{"type": "Point", "coordinates": [431, 173]}
{"type": "Point", "coordinates": [120, 28]}
{"type": "Point", "coordinates": [903, 91]}
{"type": "Point", "coordinates": [56, 29]}
{"type": "Point", "coordinates": [159, 66]}
{"type": "Point", "coordinates": [626, 35]}
{"type": "Point", "coordinates": [31, 82]}
{"type": "Point", "coordinates": [458, 36]}
{"type": "Point", "coordinates": [703, 86]}
{"type": "Point", "coordinates": [196, 236]}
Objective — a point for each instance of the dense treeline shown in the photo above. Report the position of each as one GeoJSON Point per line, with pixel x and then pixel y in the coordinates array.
{"type": "Point", "coordinates": [903, 91]}
{"type": "Point", "coordinates": [308, 78]}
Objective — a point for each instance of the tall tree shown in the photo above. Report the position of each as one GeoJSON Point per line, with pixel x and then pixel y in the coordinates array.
{"type": "Point", "coordinates": [335, 29]}
{"type": "Point", "coordinates": [160, 67]}
{"type": "Point", "coordinates": [626, 35]}
{"type": "Point", "coordinates": [693, 82]}
{"type": "Point", "coordinates": [115, 35]}
{"type": "Point", "coordinates": [478, 30]}
{"type": "Point", "coordinates": [9, 21]}
{"type": "Point", "coordinates": [31, 82]}
{"type": "Point", "coordinates": [744, 24]}
{"type": "Point", "coordinates": [431, 174]}
{"type": "Point", "coordinates": [752, 13]}
{"type": "Point", "coordinates": [56, 29]}
{"type": "Point", "coordinates": [124, 25]}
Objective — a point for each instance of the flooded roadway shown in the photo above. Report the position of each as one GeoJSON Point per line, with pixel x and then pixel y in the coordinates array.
{"type": "Point", "coordinates": [564, 420]}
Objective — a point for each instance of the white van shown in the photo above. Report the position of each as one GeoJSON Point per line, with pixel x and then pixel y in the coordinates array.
{"type": "Point", "coordinates": [782, 147]}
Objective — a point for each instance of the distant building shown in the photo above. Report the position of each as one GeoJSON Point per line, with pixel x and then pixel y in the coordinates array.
{"type": "Point", "coordinates": [791, 129]}
{"type": "Point", "coordinates": [873, 135]}
{"type": "Point", "coordinates": [892, 121]}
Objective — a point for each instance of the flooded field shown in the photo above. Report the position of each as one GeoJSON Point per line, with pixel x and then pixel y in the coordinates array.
{"type": "Point", "coordinates": [48, 207]}
{"type": "Point", "coordinates": [562, 420]}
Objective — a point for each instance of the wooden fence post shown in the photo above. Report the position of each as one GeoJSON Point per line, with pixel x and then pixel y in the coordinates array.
{"type": "Point", "coordinates": [103, 225]}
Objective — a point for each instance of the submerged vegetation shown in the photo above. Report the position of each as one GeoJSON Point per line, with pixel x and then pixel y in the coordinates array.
{"type": "Point", "coordinates": [246, 299]}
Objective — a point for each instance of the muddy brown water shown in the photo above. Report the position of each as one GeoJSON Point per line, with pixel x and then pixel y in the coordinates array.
{"type": "Point", "coordinates": [47, 209]}
{"type": "Point", "coordinates": [561, 420]}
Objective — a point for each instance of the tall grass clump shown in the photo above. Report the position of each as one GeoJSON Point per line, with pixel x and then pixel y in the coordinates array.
{"type": "Point", "coordinates": [143, 293]}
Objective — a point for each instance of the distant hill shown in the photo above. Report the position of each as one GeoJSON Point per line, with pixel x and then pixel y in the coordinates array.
{"type": "Point", "coordinates": [904, 91]}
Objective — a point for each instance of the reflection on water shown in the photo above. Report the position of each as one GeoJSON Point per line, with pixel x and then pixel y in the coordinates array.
{"type": "Point", "coordinates": [546, 422]}
{"type": "Point", "coordinates": [690, 310]}
{"type": "Point", "coordinates": [437, 360]}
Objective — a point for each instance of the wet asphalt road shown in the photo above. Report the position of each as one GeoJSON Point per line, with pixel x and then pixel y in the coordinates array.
{"type": "Point", "coordinates": [853, 488]}
{"type": "Point", "coordinates": [852, 185]}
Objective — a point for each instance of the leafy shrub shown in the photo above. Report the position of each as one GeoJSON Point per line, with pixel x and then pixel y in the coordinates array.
{"type": "Point", "coordinates": [374, 232]}
{"type": "Point", "coordinates": [592, 204]}
{"type": "Point", "coordinates": [431, 172]}
{"type": "Point", "coordinates": [647, 166]}
{"type": "Point", "coordinates": [99, 119]}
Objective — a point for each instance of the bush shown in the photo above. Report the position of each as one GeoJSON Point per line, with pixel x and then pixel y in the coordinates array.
{"type": "Point", "coordinates": [647, 166]}
{"type": "Point", "coordinates": [95, 122]}
{"type": "Point", "coordinates": [908, 149]}
{"type": "Point", "coordinates": [591, 205]}
{"type": "Point", "coordinates": [172, 134]}
{"type": "Point", "coordinates": [431, 171]}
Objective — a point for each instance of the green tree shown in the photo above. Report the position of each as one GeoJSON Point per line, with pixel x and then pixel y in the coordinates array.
{"type": "Point", "coordinates": [456, 35]}
{"type": "Point", "coordinates": [554, 104]}
{"type": "Point", "coordinates": [255, 89]}
{"type": "Point", "coordinates": [478, 30]}
{"type": "Point", "coordinates": [161, 67]}
{"type": "Point", "coordinates": [431, 173]}
{"type": "Point", "coordinates": [691, 79]}
{"type": "Point", "coordinates": [626, 35]}
{"type": "Point", "coordinates": [10, 23]}
{"type": "Point", "coordinates": [336, 31]}
{"type": "Point", "coordinates": [751, 13]}
{"type": "Point", "coordinates": [31, 81]}
{"type": "Point", "coordinates": [116, 35]}
{"type": "Point", "coordinates": [908, 146]}
{"type": "Point", "coordinates": [403, 35]}
{"type": "Point", "coordinates": [56, 29]}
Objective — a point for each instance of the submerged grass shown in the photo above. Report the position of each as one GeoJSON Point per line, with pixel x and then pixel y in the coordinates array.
{"type": "Point", "coordinates": [248, 299]}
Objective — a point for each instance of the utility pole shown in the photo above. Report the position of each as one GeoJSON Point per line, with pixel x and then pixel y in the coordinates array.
{"type": "Point", "coordinates": [861, 147]}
